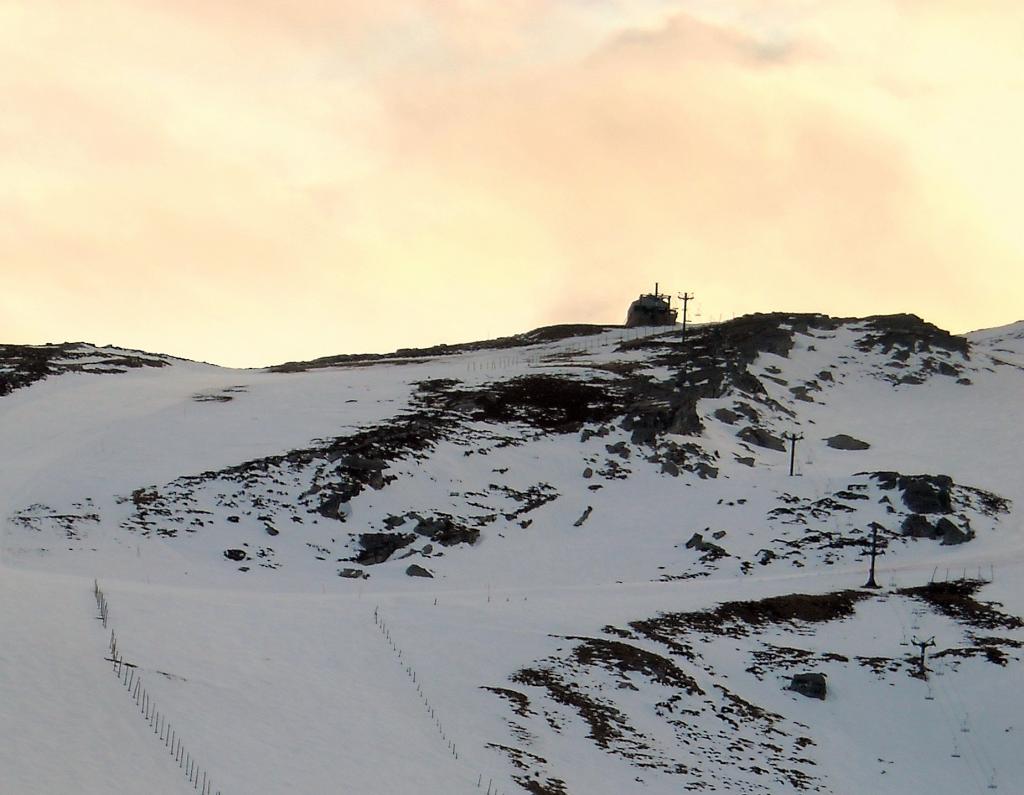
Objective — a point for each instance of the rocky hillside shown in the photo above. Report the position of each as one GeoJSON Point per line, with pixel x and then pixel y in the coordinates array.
{"type": "Point", "coordinates": [627, 494]}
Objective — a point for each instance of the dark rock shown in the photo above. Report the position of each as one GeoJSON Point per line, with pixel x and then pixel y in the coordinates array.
{"type": "Point", "coordinates": [378, 547]}
{"type": "Point", "coordinates": [718, 535]}
{"type": "Point", "coordinates": [418, 571]}
{"type": "Point", "coordinates": [927, 493]}
{"type": "Point", "coordinates": [586, 515]}
{"type": "Point", "coordinates": [668, 468]}
{"type": "Point", "coordinates": [619, 448]}
{"type": "Point", "coordinates": [842, 441]}
{"type": "Point", "coordinates": [727, 416]}
{"type": "Point", "coordinates": [235, 554]}
{"type": "Point", "coordinates": [705, 471]}
{"type": "Point", "coordinates": [712, 551]}
{"type": "Point", "coordinates": [745, 460]}
{"type": "Point", "coordinates": [353, 574]}
{"type": "Point", "coordinates": [917, 526]}
{"type": "Point", "coordinates": [810, 685]}
{"type": "Point", "coordinates": [951, 534]}
{"type": "Point", "coordinates": [427, 549]}
{"type": "Point", "coordinates": [588, 433]}
{"type": "Point", "coordinates": [233, 519]}
{"type": "Point", "coordinates": [271, 530]}
{"type": "Point", "coordinates": [921, 493]}
{"type": "Point", "coordinates": [445, 531]}
{"type": "Point", "coordinates": [761, 438]}
{"type": "Point", "coordinates": [588, 473]}
{"type": "Point", "coordinates": [335, 506]}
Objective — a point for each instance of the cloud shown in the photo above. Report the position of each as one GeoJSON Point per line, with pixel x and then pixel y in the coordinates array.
{"type": "Point", "coordinates": [274, 180]}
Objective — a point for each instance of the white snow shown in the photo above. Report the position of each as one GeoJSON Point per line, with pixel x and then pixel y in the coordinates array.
{"type": "Point", "coordinates": [280, 681]}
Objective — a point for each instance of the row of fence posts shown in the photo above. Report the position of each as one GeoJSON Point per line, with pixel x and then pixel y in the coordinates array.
{"type": "Point", "coordinates": [964, 575]}
{"type": "Point", "coordinates": [157, 721]}
{"type": "Point", "coordinates": [410, 672]}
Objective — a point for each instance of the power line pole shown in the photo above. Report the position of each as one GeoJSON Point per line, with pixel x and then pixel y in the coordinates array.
{"type": "Point", "coordinates": [792, 438]}
{"type": "Point", "coordinates": [685, 298]}
{"type": "Point", "coordinates": [874, 554]}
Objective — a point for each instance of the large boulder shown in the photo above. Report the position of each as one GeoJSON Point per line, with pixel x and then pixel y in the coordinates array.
{"type": "Point", "coordinates": [418, 571]}
{"type": "Point", "coordinates": [842, 441]}
{"type": "Point", "coordinates": [812, 685]}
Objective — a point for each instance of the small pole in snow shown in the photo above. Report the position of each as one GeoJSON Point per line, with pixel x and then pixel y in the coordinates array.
{"type": "Point", "coordinates": [792, 438]}
{"type": "Point", "coordinates": [874, 553]}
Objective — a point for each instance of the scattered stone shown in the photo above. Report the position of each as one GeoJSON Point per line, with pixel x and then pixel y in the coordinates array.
{"type": "Point", "coordinates": [588, 473]}
{"type": "Point", "coordinates": [234, 519]}
{"type": "Point", "coordinates": [418, 571]}
{"type": "Point", "coordinates": [810, 685]}
{"type": "Point", "coordinates": [235, 554]}
{"type": "Point", "coordinates": [586, 515]}
{"type": "Point", "coordinates": [713, 550]}
{"type": "Point", "coordinates": [619, 448]}
{"type": "Point", "coordinates": [718, 534]}
{"type": "Point", "coordinates": [445, 531]}
{"type": "Point", "coordinates": [354, 574]}
{"type": "Point", "coordinates": [842, 441]}
{"type": "Point", "coordinates": [271, 530]}
{"type": "Point", "coordinates": [587, 433]}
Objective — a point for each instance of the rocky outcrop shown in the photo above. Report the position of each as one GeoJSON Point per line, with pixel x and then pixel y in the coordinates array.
{"type": "Point", "coordinates": [761, 438]}
{"type": "Point", "coordinates": [378, 547]}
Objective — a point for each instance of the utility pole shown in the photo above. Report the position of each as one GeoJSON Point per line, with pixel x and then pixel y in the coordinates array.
{"type": "Point", "coordinates": [792, 438]}
{"type": "Point", "coordinates": [685, 298]}
{"type": "Point", "coordinates": [923, 645]}
{"type": "Point", "coordinates": [874, 554]}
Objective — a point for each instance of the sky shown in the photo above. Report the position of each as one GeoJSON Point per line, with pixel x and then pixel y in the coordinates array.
{"type": "Point", "coordinates": [253, 181]}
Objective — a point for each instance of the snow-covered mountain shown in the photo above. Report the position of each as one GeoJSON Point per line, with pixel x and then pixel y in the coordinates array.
{"type": "Point", "coordinates": [570, 561]}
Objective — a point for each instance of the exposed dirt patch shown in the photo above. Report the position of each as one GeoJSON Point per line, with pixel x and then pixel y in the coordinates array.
{"type": "Point", "coordinates": [956, 600]}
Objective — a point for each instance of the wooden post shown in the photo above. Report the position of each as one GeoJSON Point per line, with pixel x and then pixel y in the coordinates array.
{"type": "Point", "coordinates": [685, 298]}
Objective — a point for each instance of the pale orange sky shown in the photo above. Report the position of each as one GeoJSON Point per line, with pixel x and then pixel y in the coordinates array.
{"type": "Point", "coordinates": [253, 181]}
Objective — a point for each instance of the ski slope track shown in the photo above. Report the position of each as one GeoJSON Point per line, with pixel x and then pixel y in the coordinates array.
{"type": "Point", "coordinates": [573, 561]}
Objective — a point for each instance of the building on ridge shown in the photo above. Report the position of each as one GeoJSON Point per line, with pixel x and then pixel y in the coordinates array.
{"type": "Point", "coordinates": [651, 309]}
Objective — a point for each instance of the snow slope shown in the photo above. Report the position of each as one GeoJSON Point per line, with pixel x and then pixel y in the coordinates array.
{"type": "Point", "coordinates": [575, 636]}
